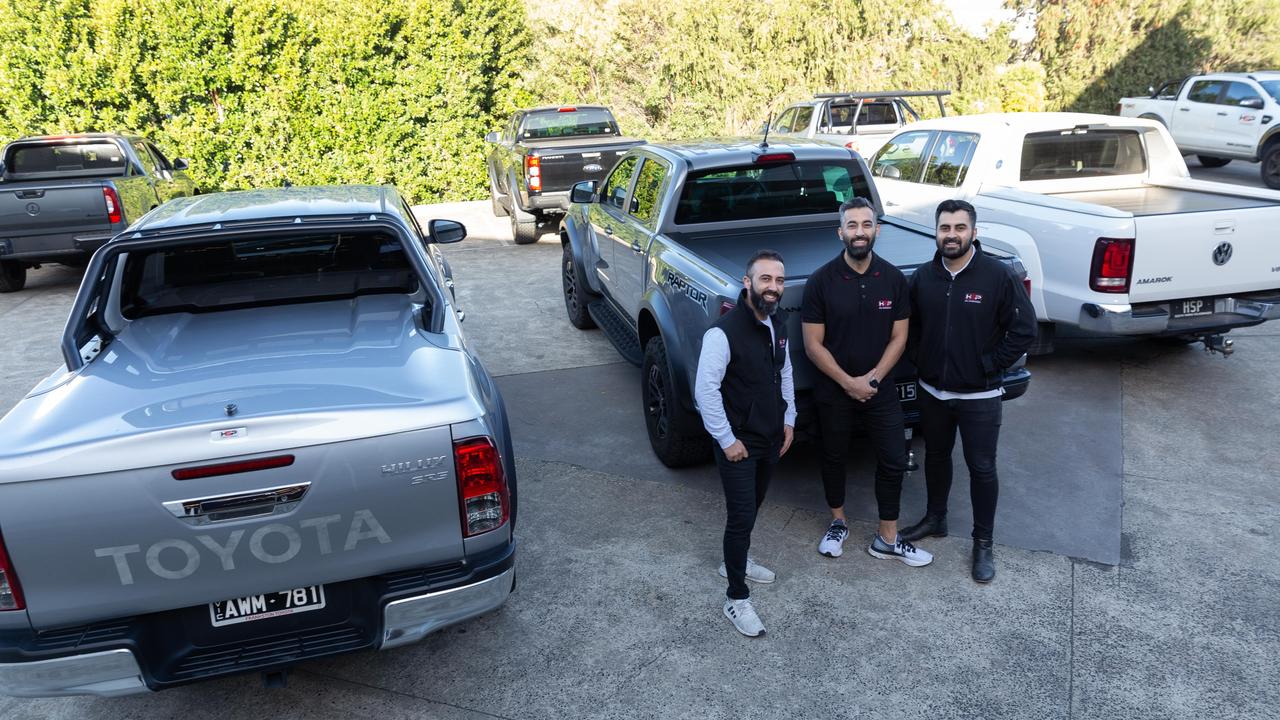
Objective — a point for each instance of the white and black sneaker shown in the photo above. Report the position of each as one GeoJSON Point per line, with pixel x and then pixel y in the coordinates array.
{"type": "Point", "coordinates": [832, 544]}
{"type": "Point", "coordinates": [743, 617]}
{"type": "Point", "coordinates": [755, 572]}
{"type": "Point", "coordinates": [900, 550]}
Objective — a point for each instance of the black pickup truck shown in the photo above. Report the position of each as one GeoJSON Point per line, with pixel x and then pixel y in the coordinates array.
{"type": "Point", "coordinates": [543, 152]}
{"type": "Point", "coordinates": [62, 197]}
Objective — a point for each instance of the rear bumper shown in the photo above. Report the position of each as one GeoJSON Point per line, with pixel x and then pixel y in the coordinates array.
{"type": "Point", "coordinates": [1156, 318]}
{"type": "Point", "coordinates": [154, 652]}
{"type": "Point", "coordinates": [558, 201]}
{"type": "Point", "coordinates": [51, 248]}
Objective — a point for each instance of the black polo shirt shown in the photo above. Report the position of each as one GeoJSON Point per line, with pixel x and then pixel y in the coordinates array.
{"type": "Point", "coordinates": [858, 312]}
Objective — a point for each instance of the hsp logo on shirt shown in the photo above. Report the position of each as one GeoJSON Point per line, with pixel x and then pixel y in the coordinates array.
{"type": "Point", "coordinates": [973, 298]}
{"type": "Point", "coordinates": [886, 304]}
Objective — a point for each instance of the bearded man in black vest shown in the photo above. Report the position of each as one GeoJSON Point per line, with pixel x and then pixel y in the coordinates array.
{"type": "Point", "coordinates": [746, 396]}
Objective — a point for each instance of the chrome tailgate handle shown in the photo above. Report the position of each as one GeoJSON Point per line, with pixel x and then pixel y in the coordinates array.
{"type": "Point", "coordinates": [236, 506]}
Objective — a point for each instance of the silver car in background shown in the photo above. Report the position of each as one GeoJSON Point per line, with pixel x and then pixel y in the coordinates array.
{"type": "Point", "coordinates": [269, 443]}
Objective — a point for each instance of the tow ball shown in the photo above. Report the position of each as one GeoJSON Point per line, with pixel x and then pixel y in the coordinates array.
{"type": "Point", "coordinates": [1217, 343]}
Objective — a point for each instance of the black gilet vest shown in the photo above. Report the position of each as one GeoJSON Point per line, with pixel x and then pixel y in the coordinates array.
{"type": "Point", "coordinates": [752, 385]}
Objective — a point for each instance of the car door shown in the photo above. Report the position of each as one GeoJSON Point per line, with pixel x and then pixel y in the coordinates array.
{"type": "Point", "coordinates": [179, 183]}
{"type": "Point", "coordinates": [897, 168]}
{"type": "Point", "coordinates": [1239, 119]}
{"type": "Point", "coordinates": [607, 215]}
{"type": "Point", "coordinates": [1196, 116]}
{"type": "Point", "coordinates": [153, 172]}
{"type": "Point", "coordinates": [634, 234]}
{"type": "Point", "coordinates": [945, 167]}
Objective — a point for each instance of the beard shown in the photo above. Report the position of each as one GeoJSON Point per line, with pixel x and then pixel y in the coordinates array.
{"type": "Point", "coordinates": [762, 304]}
{"type": "Point", "coordinates": [858, 253]}
{"type": "Point", "coordinates": [952, 253]}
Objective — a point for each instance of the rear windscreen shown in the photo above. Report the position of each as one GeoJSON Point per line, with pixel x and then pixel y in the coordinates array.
{"type": "Point", "coordinates": [105, 158]}
{"type": "Point", "coordinates": [232, 274]}
{"type": "Point", "coordinates": [764, 191]}
{"type": "Point", "coordinates": [566, 123]}
{"type": "Point", "coordinates": [1082, 153]}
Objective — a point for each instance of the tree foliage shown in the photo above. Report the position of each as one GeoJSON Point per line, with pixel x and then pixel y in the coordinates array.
{"type": "Point", "coordinates": [259, 92]}
{"type": "Point", "coordinates": [1096, 51]}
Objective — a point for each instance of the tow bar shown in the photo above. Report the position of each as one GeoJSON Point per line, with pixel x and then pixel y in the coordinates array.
{"type": "Point", "coordinates": [1216, 343]}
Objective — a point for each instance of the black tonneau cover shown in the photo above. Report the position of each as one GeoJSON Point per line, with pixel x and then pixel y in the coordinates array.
{"type": "Point", "coordinates": [805, 246]}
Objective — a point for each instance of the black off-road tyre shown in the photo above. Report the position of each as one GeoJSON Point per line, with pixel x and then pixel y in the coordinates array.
{"type": "Point", "coordinates": [1210, 161]}
{"type": "Point", "coordinates": [577, 294]}
{"type": "Point", "coordinates": [524, 227]}
{"type": "Point", "coordinates": [663, 418]}
{"type": "Point", "coordinates": [1271, 165]}
{"type": "Point", "coordinates": [499, 210]}
{"type": "Point", "coordinates": [13, 276]}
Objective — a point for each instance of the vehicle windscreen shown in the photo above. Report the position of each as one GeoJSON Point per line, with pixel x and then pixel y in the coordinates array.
{"type": "Point", "coordinates": [567, 122]}
{"type": "Point", "coordinates": [103, 158]}
{"type": "Point", "coordinates": [237, 273]}
{"type": "Point", "coordinates": [1272, 87]}
{"type": "Point", "coordinates": [1082, 153]}
{"type": "Point", "coordinates": [750, 192]}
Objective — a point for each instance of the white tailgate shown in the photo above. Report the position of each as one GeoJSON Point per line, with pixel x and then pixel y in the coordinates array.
{"type": "Point", "coordinates": [1182, 247]}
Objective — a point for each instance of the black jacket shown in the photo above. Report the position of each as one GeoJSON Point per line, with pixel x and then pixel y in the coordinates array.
{"type": "Point", "coordinates": [752, 384]}
{"type": "Point", "coordinates": [966, 332]}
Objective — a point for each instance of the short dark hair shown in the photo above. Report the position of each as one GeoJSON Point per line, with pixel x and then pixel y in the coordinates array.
{"type": "Point", "coordinates": [763, 254]}
{"type": "Point", "coordinates": [956, 206]}
{"type": "Point", "coordinates": [858, 203]}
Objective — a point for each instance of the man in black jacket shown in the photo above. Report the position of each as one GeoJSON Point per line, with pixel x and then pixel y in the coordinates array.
{"type": "Point", "coordinates": [971, 319]}
{"type": "Point", "coordinates": [747, 400]}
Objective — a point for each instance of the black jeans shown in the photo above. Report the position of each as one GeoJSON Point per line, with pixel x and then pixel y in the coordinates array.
{"type": "Point", "coordinates": [881, 416]}
{"type": "Point", "coordinates": [745, 484]}
{"type": "Point", "coordinates": [979, 425]}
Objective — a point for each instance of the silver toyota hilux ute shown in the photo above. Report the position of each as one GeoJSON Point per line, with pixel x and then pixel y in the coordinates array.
{"type": "Point", "coordinates": [270, 442]}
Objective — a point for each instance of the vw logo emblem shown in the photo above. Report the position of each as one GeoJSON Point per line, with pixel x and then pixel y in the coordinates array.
{"type": "Point", "coordinates": [33, 209]}
{"type": "Point", "coordinates": [1222, 253]}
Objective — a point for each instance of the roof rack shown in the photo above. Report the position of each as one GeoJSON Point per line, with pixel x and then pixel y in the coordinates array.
{"type": "Point", "coordinates": [859, 96]}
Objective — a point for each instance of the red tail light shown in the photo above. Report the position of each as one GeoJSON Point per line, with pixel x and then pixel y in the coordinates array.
{"type": "Point", "coordinates": [533, 171]}
{"type": "Point", "coordinates": [1112, 265]}
{"type": "Point", "coordinates": [113, 205]}
{"type": "Point", "coordinates": [231, 468]}
{"type": "Point", "coordinates": [482, 487]}
{"type": "Point", "coordinates": [10, 591]}
{"type": "Point", "coordinates": [726, 306]}
{"type": "Point", "coordinates": [1026, 283]}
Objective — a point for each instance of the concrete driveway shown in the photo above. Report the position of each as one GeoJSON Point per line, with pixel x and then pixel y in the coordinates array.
{"type": "Point", "coordinates": [1157, 460]}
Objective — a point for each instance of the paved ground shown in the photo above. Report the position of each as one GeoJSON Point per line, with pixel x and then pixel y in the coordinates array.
{"type": "Point", "coordinates": [617, 612]}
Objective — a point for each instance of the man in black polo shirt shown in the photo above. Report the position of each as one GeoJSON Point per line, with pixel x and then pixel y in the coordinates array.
{"type": "Point", "coordinates": [854, 318]}
{"type": "Point", "coordinates": [747, 400]}
{"type": "Point", "coordinates": [971, 319]}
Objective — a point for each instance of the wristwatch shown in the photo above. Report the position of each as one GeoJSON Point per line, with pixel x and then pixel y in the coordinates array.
{"type": "Point", "coordinates": [874, 383]}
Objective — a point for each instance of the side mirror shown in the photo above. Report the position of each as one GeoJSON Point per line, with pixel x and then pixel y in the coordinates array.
{"type": "Point", "coordinates": [891, 171]}
{"type": "Point", "coordinates": [491, 137]}
{"type": "Point", "coordinates": [1253, 102]}
{"type": "Point", "coordinates": [181, 164]}
{"type": "Point", "coordinates": [583, 192]}
{"type": "Point", "coordinates": [444, 232]}
{"type": "Point", "coordinates": [1151, 90]}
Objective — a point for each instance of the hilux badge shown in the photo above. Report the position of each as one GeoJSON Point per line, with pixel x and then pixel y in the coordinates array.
{"type": "Point", "coordinates": [1222, 253]}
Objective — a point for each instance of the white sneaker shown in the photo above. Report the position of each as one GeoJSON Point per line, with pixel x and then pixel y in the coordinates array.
{"type": "Point", "coordinates": [900, 550]}
{"type": "Point", "coordinates": [755, 572]}
{"type": "Point", "coordinates": [744, 617]}
{"type": "Point", "coordinates": [832, 544]}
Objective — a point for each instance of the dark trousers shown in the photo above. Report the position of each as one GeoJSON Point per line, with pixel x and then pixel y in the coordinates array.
{"type": "Point", "coordinates": [881, 417]}
{"type": "Point", "coordinates": [979, 425]}
{"type": "Point", "coordinates": [745, 484]}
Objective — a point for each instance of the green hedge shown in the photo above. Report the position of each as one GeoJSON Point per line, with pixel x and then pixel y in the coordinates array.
{"type": "Point", "coordinates": [259, 92]}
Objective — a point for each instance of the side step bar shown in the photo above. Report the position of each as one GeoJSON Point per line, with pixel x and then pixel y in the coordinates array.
{"type": "Point", "coordinates": [618, 331]}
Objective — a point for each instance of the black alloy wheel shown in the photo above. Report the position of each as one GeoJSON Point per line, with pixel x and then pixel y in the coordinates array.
{"type": "Point", "coordinates": [576, 293]}
{"type": "Point", "coordinates": [1271, 165]}
{"type": "Point", "coordinates": [661, 412]}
